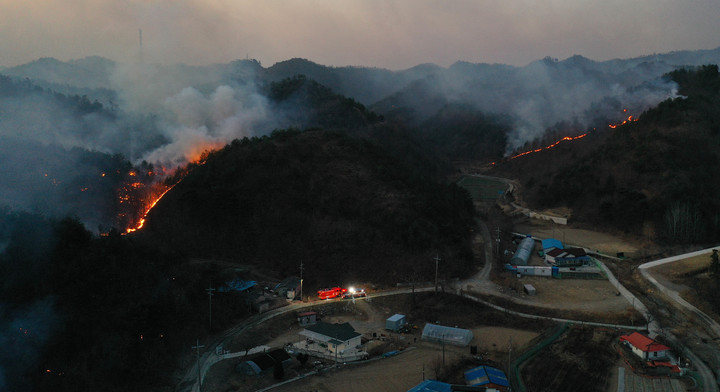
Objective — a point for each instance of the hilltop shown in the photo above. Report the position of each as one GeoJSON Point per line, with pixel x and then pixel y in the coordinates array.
{"type": "Point", "coordinates": [345, 207]}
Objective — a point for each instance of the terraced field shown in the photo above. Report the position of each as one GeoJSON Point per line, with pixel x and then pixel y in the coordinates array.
{"type": "Point", "coordinates": [635, 383]}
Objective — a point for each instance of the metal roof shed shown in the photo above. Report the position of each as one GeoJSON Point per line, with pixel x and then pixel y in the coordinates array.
{"type": "Point", "coordinates": [449, 335]}
{"type": "Point", "coordinates": [395, 322]}
{"type": "Point", "coordinates": [431, 386]}
{"type": "Point", "coordinates": [529, 289]}
{"type": "Point", "coordinates": [550, 243]}
{"type": "Point", "coordinates": [487, 376]}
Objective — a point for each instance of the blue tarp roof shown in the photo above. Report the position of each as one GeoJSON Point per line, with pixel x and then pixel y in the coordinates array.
{"type": "Point", "coordinates": [551, 243]}
{"type": "Point", "coordinates": [431, 386]}
{"type": "Point", "coordinates": [237, 285]}
{"type": "Point", "coordinates": [482, 375]}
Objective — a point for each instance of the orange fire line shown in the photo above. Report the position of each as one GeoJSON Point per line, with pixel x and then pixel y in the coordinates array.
{"type": "Point", "coordinates": [566, 138]}
{"type": "Point", "coordinates": [569, 138]}
{"type": "Point", "coordinates": [141, 222]}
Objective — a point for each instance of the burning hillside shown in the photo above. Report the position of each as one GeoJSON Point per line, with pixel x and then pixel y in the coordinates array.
{"type": "Point", "coordinates": [315, 196]}
{"type": "Point", "coordinates": [651, 175]}
{"type": "Point", "coordinates": [569, 139]}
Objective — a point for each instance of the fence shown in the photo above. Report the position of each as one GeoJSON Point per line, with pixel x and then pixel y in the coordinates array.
{"type": "Point", "coordinates": [321, 352]}
{"type": "Point", "coordinates": [514, 370]}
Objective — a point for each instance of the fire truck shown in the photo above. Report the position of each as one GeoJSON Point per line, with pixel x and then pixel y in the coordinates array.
{"type": "Point", "coordinates": [354, 293]}
{"type": "Point", "coordinates": [331, 293]}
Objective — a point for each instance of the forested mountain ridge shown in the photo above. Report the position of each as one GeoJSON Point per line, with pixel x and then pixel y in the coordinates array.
{"type": "Point", "coordinates": [654, 176]}
{"type": "Point", "coordinates": [349, 209]}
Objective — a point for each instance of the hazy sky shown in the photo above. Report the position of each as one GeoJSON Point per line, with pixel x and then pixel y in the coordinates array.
{"type": "Point", "coordinates": [391, 34]}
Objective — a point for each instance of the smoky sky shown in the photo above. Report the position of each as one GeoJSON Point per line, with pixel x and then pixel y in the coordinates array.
{"type": "Point", "coordinates": [393, 34]}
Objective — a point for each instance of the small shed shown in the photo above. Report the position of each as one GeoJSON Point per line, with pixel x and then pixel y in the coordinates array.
{"type": "Point", "coordinates": [395, 322]}
{"type": "Point", "coordinates": [307, 318]}
{"type": "Point", "coordinates": [289, 288]}
{"type": "Point", "coordinates": [529, 289]}
{"type": "Point", "coordinates": [262, 362]}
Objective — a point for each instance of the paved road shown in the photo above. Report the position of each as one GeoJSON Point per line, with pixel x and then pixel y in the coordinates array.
{"type": "Point", "coordinates": [652, 325]}
{"type": "Point", "coordinates": [480, 280]}
{"type": "Point", "coordinates": [711, 325]}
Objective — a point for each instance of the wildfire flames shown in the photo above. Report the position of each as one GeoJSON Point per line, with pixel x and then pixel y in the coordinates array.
{"type": "Point", "coordinates": [143, 191]}
{"type": "Point", "coordinates": [571, 138]}
{"type": "Point", "coordinates": [629, 119]}
{"type": "Point", "coordinates": [566, 138]}
{"type": "Point", "coordinates": [154, 201]}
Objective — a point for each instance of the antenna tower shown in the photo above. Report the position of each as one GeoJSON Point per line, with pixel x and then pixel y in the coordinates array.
{"type": "Point", "coordinates": [141, 46]}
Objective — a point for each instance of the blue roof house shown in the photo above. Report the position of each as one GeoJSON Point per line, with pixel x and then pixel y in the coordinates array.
{"type": "Point", "coordinates": [487, 376]}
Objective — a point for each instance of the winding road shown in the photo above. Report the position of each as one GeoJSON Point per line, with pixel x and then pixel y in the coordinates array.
{"type": "Point", "coordinates": [481, 280]}
{"type": "Point", "coordinates": [709, 381]}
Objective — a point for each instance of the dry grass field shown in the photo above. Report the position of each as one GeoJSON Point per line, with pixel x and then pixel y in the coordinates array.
{"type": "Point", "coordinates": [494, 333]}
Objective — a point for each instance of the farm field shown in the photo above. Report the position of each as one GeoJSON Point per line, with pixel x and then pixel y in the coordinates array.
{"type": "Point", "coordinates": [564, 364]}
{"type": "Point", "coordinates": [482, 189]}
{"type": "Point", "coordinates": [397, 373]}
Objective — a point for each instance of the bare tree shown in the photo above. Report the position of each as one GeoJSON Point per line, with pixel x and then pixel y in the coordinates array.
{"type": "Point", "coordinates": [683, 223]}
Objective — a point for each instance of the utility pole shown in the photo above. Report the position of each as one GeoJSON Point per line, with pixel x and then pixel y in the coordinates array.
{"type": "Point", "coordinates": [210, 294]}
{"type": "Point", "coordinates": [141, 46]}
{"type": "Point", "coordinates": [197, 347]}
{"type": "Point", "coordinates": [443, 348]}
{"type": "Point", "coordinates": [437, 259]}
{"type": "Point", "coordinates": [301, 281]}
{"type": "Point", "coordinates": [509, 353]}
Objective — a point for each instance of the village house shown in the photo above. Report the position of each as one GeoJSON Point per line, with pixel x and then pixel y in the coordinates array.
{"type": "Point", "coordinates": [570, 257]}
{"type": "Point", "coordinates": [644, 347]}
{"type": "Point", "coordinates": [338, 341]}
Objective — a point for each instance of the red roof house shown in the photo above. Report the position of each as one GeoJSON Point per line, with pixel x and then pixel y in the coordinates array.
{"type": "Point", "coordinates": [644, 347]}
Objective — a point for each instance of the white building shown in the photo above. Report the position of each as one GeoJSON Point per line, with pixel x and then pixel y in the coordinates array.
{"type": "Point", "coordinates": [644, 347]}
{"type": "Point", "coordinates": [335, 339]}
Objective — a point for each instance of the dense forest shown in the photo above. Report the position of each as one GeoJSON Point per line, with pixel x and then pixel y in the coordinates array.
{"type": "Point", "coordinates": [342, 204]}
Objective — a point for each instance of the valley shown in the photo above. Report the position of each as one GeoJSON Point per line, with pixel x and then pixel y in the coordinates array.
{"type": "Point", "coordinates": [499, 337]}
{"type": "Point", "coordinates": [164, 223]}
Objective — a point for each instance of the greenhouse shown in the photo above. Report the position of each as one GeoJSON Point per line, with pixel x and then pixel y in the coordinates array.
{"type": "Point", "coordinates": [449, 335]}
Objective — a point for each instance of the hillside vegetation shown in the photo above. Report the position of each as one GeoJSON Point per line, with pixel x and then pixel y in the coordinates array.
{"type": "Point", "coordinates": [343, 206]}
{"type": "Point", "coordinates": [655, 176]}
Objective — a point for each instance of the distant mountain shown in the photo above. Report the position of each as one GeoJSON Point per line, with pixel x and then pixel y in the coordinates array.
{"type": "Point", "coordinates": [90, 72]}
{"type": "Point", "coordinates": [305, 103]}
{"type": "Point", "coordinates": [366, 85]}
{"type": "Point", "coordinates": [546, 93]}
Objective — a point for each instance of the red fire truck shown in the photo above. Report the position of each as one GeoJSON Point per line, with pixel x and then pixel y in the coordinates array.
{"type": "Point", "coordinates": [331, 293]}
